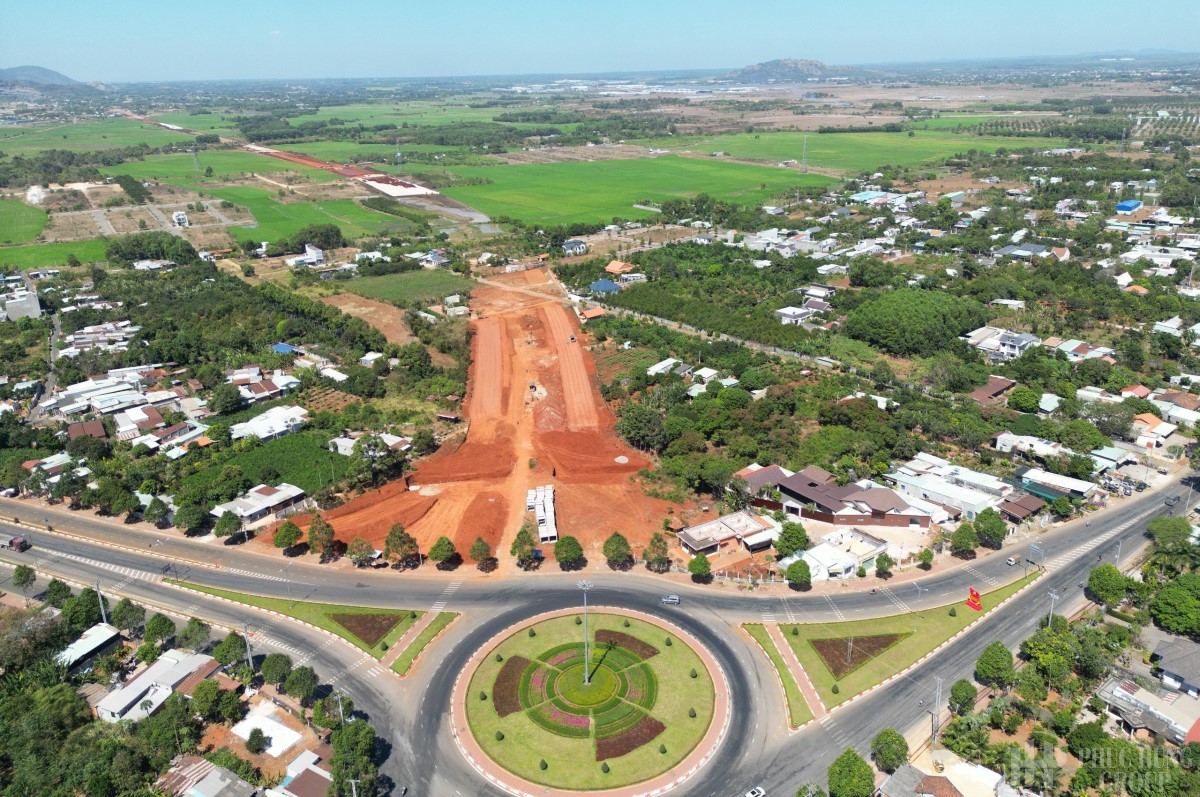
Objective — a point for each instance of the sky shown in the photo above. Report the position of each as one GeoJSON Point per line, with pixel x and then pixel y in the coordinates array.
{"type": "Point", "coordinates": [135, 40]}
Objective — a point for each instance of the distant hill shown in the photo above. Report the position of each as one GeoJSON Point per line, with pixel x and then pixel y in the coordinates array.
{"type": "Point", "coordinates": [36, 76]}
{"type": "Point", "coordinates": [791, 70]}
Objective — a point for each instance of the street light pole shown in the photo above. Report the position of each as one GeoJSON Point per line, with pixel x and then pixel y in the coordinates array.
{"type": "Point", "coordinates": [1054, 596]}
{"type": "Point", "coordinates": [100, 597]}
{"type": "Point", "coordinates": [587, 658]}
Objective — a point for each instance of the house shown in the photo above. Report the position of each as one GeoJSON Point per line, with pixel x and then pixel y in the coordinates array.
{"type": "Point", "coordinates": [98, 640]}
{"type": "Point", "coordinates": [662, 367]}
{"type": "Point", "coordinates": [839, 554]}
{"type": "Point", "coordinates": [22, 305]}
{"type": "Point", "coordinates": [1151, 431]}
{"type": "Point", "coordinates": [814, 494]}
{"type": "Point", "coordinates": [86, 429]}
{"type": "Point", "coordinates": [144, 693]}
{"type": "Point", "coordinates": [193, 776]}
{"type": "Point", "coordinates": [792, 315]}
{"type": "Point", "coordinates": [1036, 481]}
{"type": "Point", "coordinates": [592, 313]}
{"type": "Point", "coordinates": [1110, 458]}
{"type": "Point", "coordinates": [373, 257]}
{"type": "Point", "coordinates": [1174, 717]}
{"type": "Point", "coordinates": [275, 422]}
{"type": "Point", "coordinates": [180, 219]}
{"type": "Point", "coordinates": [1128, 207]}
{"type": "Point", "coordinates": [1178, 661]}
{"type": "Point", "coordinates": [993, 392]}
{"type": "Point", "coordinates": [312, 256]}
{"type": "Point", "coordinates": [746, 528]}
{"type": "Point", "coordinates": [604, 286]}
{"type": "Point", "coordinates": [261, 501]}
{"type": "Point", "coordinates": [309, 782]}
{"type": "Point", "coordinates": [934, 479]}
{"type": "Point", "coordinates": [368, 359]}
{"type": "Point", "coordinates": [630, 279]}
{"type": "Point", "coordinates": [618, 267]}
{"type": "Point", "coordinates": [1048, 404]}
{"type": "Point", "coordinates": [574, 247]}
{"type": "Point", "coordinates": [154, 265]}
{"type": "Point", "coordinates": [954, 778]}
{"type": "Point", "coordinates": [1018, 510]}
{"type": "Point", "coordinates": [704, 375]}
{"type": "Point", "coordinates": [761, 479]}
{"type": "Point", "coordinates": [345, 445]}
{"type": "Point", "coordinates": [136, 421]}
{"type": "Point", "coordinates": [908, 781]}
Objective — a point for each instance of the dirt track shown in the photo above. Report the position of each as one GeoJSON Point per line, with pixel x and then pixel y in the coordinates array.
{"type": "Point", "coordinates": [561, 433]}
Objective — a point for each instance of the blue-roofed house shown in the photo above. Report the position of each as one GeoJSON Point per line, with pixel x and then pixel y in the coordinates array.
{"type": "Point", "coordinates": [283, 348]}
{"type": "Point", "coordinates": [604, 286]}
{"type": "Point", "coordinates": [1128, 207]}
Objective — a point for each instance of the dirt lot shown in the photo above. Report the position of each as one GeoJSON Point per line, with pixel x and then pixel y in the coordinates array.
{"type": "Point", "coordinates": [125, 220]}
{"type": "Point", "coordinates": [218, 736]}
{"type": "Point", "coordinates": [71, 227]}
{"type": "Point", "coordinates": [561, 433]}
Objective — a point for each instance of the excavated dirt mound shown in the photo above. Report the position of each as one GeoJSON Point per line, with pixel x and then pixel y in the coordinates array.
{"type": "Point", "coordinates": [469, 462]}
{"type": "Point", "coordinates": [587, 456]}
{"type": "Point", "coordinates": [485, 517]}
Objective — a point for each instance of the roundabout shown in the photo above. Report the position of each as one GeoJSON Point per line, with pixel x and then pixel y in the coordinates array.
{"type": "Point", "coordinates": [641, 710]}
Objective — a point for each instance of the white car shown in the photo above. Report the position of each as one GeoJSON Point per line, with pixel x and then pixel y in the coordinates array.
{"type": "Point", "coordinates": [757, 791]}
{"type": "Point", "coordinates": [1012, 560]}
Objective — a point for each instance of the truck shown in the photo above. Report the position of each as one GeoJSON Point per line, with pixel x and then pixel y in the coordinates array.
{"type": "Point", "coordinates": [16, 542]}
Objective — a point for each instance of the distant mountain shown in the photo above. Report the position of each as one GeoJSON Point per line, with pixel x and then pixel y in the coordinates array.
{"type": "Point", "coordinates": [791, 70]}
{"type": "Point", "coordinates": [35, 76]}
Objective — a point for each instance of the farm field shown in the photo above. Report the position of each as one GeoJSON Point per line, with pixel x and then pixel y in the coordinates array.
{"type": "Point", "coordinates": [411, 286]}
{"type": "Point", "coordinates": [566, 193]}
{"type": "Point", "coordinates": [89, 135]}
{"type": "Point", "coordinates": [953, 122]}
{"type": "Point", "coordinates": [853, 152]}
{"type": "Point", "coordinates": [438, 112]}
{"type": "Point", "coordinates": [201, 123]}
{"type": "Point", "coordinates": [20, 223]}
{"type": "Point", "coordinates": [280, 219]}
{"type": "Point", "coordinates": [181, 169]}
{"type": "Point", "coordinates": [50, 255]}
{"type": "Point", "coordinates": [300, 458]}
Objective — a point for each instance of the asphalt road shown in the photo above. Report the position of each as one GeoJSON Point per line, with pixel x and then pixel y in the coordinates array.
{"type": "Point", "coordinates": [411, 713]}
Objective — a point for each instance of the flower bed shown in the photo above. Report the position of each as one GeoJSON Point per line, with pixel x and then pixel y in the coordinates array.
{"type": "Point", "coordinates": [506, 693]}
{"type": "Point", "coordinates": [631, 643]}
{"type": "Point", "coordinates": [616, 720]}
{"type": "Point", "coordinates": [561, 722]}
{"type": "Point", "coordinates": [629, 740]}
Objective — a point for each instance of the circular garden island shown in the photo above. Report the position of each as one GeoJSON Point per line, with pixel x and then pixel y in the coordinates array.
{"type": "Point", "coordinates": [648, 702]}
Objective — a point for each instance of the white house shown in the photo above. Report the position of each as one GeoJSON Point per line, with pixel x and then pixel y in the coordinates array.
{"type": "Point", "coordinates": [144, 693]}
{"type": "Point", "coordinates": [261, 501]}
{"type": "Point", "coordinates": [791, 316]}
{"type": "Point", "coordinates": [275, 422]}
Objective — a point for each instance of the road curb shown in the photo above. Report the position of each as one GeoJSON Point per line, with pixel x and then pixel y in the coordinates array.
{"type": "Point", "coordinates": [778, 676]}
{"type": "Point", "coordinates": [105, 544]}
{"type": "Point", "coordinates": [429, 644]}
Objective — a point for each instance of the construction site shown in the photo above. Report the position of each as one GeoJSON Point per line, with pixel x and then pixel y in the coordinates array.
{"type": "Point", "coordinates": [537, 430]}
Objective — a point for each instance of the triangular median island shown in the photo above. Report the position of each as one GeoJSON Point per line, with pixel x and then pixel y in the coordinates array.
{"type": "Point", "coordinates": [370, 628]}
{"type": "Point", "coordinates": [843, 655]}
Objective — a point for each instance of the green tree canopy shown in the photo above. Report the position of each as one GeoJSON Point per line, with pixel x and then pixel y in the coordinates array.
{"type": "Point", "coordinates": [442, 550]}
{"type": "Point", "coordinates": [287, 535]}
{"type": "Point", "coordinates": [1107, 584]}
{"type": "Point", "coordinates": [792, 538]}
{"type": "Point", "coordinates": [699, 567]}
{"type": "Point", "coordinates": [799, 575]}
{"type": "Point", "coordinates": [889, 750]}
{"type": "Point", "coordinates": [851, 776]}
{"type": "Point", "coordinates": [400, 546]}
{"type": "Point", "coordinates": [360, 551]}
{"type": "Point", "coordinates": [991, 528]}
{"type": "Point", "coordinates": [301, 683]}
{"type": "Point", "coordinates": [480, 551]}
{"type": "Point", "coordinates": [994, 666]}
{"type": "Point", "coordinates": [568, 552]}
{"type": "Point", "coordinates": [320, 536]}
{"type": "Point", "coordinates": [962, 696]}
{"type": "Point", "coordinates": [656, 553]}
{"type": "Point", "coordinates": [275, 668]}
{"type": "Point", "coordinates": [964, 540]}
{"type": "Point", "coordinates": [911, 321]}
{"type": "Point", "coordinates": [523, 546]}
{"type": "Point", "coordinates": [617, 551]}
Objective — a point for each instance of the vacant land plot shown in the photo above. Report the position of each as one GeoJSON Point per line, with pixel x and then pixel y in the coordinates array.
{"type": "Point", "coordinates": [188, 170]}
{"type": "Point", "coordinates": [854, 152]}
{"type": "Point", "coordinates": [281, 219]}
{"type": "Point", "coordinates": [89, 135]}
{"type": "Point", "coordinates": [411, 286]}
{"type": "Point", "coordinates": [221, 125]}
{"type": "Point", "coordinates": [20, 222]}
{"type": "Point", "coordinates": [565, 193]}
{"type": "Point", "coordinates": [300, 458]}
{"type": "Point", "coordinates": [49, 255]}
{"type": "Point", "coordinates": [919, 633]}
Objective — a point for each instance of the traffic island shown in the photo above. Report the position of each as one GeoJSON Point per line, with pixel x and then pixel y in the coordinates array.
{"type": "Point", "coordinates": [640, 710]}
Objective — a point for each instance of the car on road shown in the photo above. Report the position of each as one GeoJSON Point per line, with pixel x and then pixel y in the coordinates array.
{"type": "Point", "coordinates": [1172, 500]}
{"type": "Point", "coordinates": [757, 791]}
{"type": "Point", "coordinates": [670, 600]}
{"type": "Point", "coordinates": [1012, 560]}
{"type": "Point", "coordinates": [17, 543]}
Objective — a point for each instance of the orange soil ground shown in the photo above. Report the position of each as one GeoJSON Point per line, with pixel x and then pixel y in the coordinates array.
{"type": "Point", "coordinates": [561, 433]}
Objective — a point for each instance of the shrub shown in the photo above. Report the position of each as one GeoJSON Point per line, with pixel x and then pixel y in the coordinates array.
{"type": "Point", "coordinates": [835, 689]}
{"type": "Point", "coordinates": [578, 621]}
{"type": "Point", "coordinates": [499, 658]}
{"type": "Point", "coordinates": [604, 767]}
{"type": "Point", "coordinates": [542, 765]}
{"type": "Point", "coordinates": [953, 612]}
{"type": "Point", "coordinates": [662, 748]}
{"type": "Point", "coordinates": [532, 633]}
{"type": "Point", "coordinates": [483, 695]}
{"type": "Point", "coordinates": [692, 713]}
{"type": "Point", "coordinates": [669, 643]}
{"type": "Point", "coordinates": [256, 742]}
{"type": "Point", "coordinates": [693, 673]}
{"type": "Point", "coordinates": [626, 623]}
{"type": "Point", "coordinates": [795, 630]}
{"type": "Point", "coordinates": [499, 736]}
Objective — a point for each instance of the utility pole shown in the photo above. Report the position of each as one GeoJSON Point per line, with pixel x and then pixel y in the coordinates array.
{"type": "Point", "coordinates": [341, 710]}
{"type": "Point", "coordinates": [587, 659]}
{"type": "Point", "coordinates": [100, 598]}
{"type": "Point", "coordinates": [353, 787]}
{"type": "Point", "coordinates": [249, 655]}
{"type": "Point", "coordinates": [1054, 596]}
{"type": "Point", "coordinates": [937, 710]}
{"type": "Point", "coordinates": [1118, 557]}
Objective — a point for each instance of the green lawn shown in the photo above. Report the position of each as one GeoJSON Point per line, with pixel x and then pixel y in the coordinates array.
{"type": "Point", "coordinates": [411, 286]}
{"type": "Point", "coordinates": [181, 169]}
{"type": "Point", "coordinates": [405, 662]}
{"type": "Point", "coordinates": [853, 152]}
{"type": "Point", "coordinates": [972, 120]}
{"type": "Point", "coordinates": [572, 761]}
{"type": "Point", "coordinates": [566, 193]}
{"type": "Point", "coordinates": [317, 614]}
{"type": "Point", "coordinates": [278, 220]}
{"type": "Point", "coordinates": [798, 708]}
{"type": "Point", "coordinates": [932, 627]}
{"type": "Point", "coordinates": [86, 135]}
{"type": "Point", "coordinates": [51, 255]}
{"type": "Point", "coordinates": [19, 222]}
{"type": "Point", "coordinates": [202, 123]}
{"type": "Point", "coordinates": [301, 458]}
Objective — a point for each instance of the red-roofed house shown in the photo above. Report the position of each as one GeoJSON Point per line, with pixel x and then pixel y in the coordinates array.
{"type": "Point", "coordinates": [1136, 391]}
{"type": "Point", "coordinates": [993, 392]}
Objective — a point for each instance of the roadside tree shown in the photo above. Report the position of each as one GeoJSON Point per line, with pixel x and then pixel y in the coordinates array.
{"type": "Point", "coordinates": [656, 554]}
{"type": "Point", "coordinates": [401, 547]}
{"type": "Point", "coordinates": [360, 551]}
{"type": "Point", "coordinates": [617, 551]}
{"type": "Point", "coordinates": [991, 528]}
{"type": "Point", "coordinates": [481, 554]}
{"type": "Point", "coordinates": [287, 535]}
{"type": "Point", "coordinates": [275, 668]}
{"type": "Point", "coordinates": [889, 750]}
{"type": "Point", "coordinates": [964, 541]}
{"type": "Point", "coordinates": [962, 696]}
{"type": "Point", "coordinates": [159, 628]}
{"type": "Point", "coordinates": [851, 776]}
{"type": "Point", "coordinates": [926, 557]}
{"type": "Point", "coordinates": [994, 667]}
{"type": "Point", "coordinates": [883, 565]}
{"type": "Point", "coordinates": [522, 547]}
{"type": "Point", "coordinates": [569, 553]}
{"type": "Point", "coordinates": [444, 553]}
{"type": "Point", "coordinates": [792, 538]}
{"type": "Point", "coordinates": [320, 537]}
{"type": "Point", "coordinates": [1108, 585]}
{"type": "Point", "coordinates": [700, 569]}
{"type": "Point", "coordinates": [799, 575]}
{"type": "Point", "coordinates": [23, 578]}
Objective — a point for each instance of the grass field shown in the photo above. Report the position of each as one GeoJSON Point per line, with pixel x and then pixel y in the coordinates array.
{"type": "Point", "coordinates": [300, 458]}
{"type": "Point", "coordinates": [971, 120]}
{"type": "Point", "coordinates": [181, 169]}
{"type": "Point", "coordinates": [280, 219]}
{"type": "Point", "coordinates": [50, 255]}
{"type": "Point", "coordinates": [932, 627]}
{"type": "Point", "coordinates": [19, 222]}
{"type": "Point", "coordinates": [405, 662]}
{"type": "Point", "coordinates": [565, 193]}
{"type": "Point", "coordinates": [202, 123]}
{"type": "Point", "coordinates": [572, 762]}
{"type": "Point", "coordinates": [317, 614]}
{"type": "Point", "coordinates": [411, 286]}
{"type": "Point", "coordinates": [852, 152]}
{"type": "Point", "coordinates": [798, 709]}
{"type": "Point", "coordinates": [86, 135]}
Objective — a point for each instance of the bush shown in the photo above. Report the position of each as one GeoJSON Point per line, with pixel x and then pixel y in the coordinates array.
{"type": "Point", "coordinates": [499, 658]}
{"type": "Point", "coordinates": [532, 633]}
{"type": "Point", "coordinates": [542, 765]}
{"type": "Point", "coordinates": [692, 713]}
{"type": "Point", "coordinates": [795, 630]}
{"type": "Point", "coordinates": [662, 748]}
{"type": "Point", "coordinates": [256, 742]}
{"type": "Point", "coordinates": [499, 736]}
{"type": "Point", "coordinates": [483, 695]}
{"type": "Point", "coordinates": [604, 767]}
{"type": "Point", "coordinates": [953, 612]}
{"type": "Point", "coordinates": [669, 643]}
{"type": "Point", "coordinates": [862, 572]}
{"type": "Point", "coordinates": [578, 621]}
{"type": "Point", "coordinates": [626, 624]}
{"type": "Point", "coordinates": [835, 689]}
{"type": "Point", "coordinates": [693, 673]}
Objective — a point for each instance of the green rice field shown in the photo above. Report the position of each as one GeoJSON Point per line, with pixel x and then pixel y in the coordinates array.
{"type": "Point", "coordinates": [564, 193]}
{"type": "Point", "coordinates": [280, 219]}
{"type": "Point", "coordinates": [51, 255]}
{"type": "Point", "coordinates": [89, 135]}
{"type": "Point", "coordinates": [971, 120]}
{"type": "Point", "coordinates": [202, 123]}
{"type": "Point", "coordinates": [411, 286]}
{"type": "Point", "coordinates": [852, 152]}
{"type": "Point", "coordinates": [20, 223]}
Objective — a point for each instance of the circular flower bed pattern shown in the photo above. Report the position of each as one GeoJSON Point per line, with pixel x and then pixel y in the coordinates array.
{"type": "Point", "coordinates": [647, 703]}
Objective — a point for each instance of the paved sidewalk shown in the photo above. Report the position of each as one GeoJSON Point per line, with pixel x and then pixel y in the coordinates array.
{"type": "Point", "coordinates": [789, 656]}
{"type": "Point", "coordinates": [407, 638]}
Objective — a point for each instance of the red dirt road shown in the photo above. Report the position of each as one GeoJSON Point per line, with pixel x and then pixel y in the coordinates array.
{"type": "Point", "coordinates": [561, 433]}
